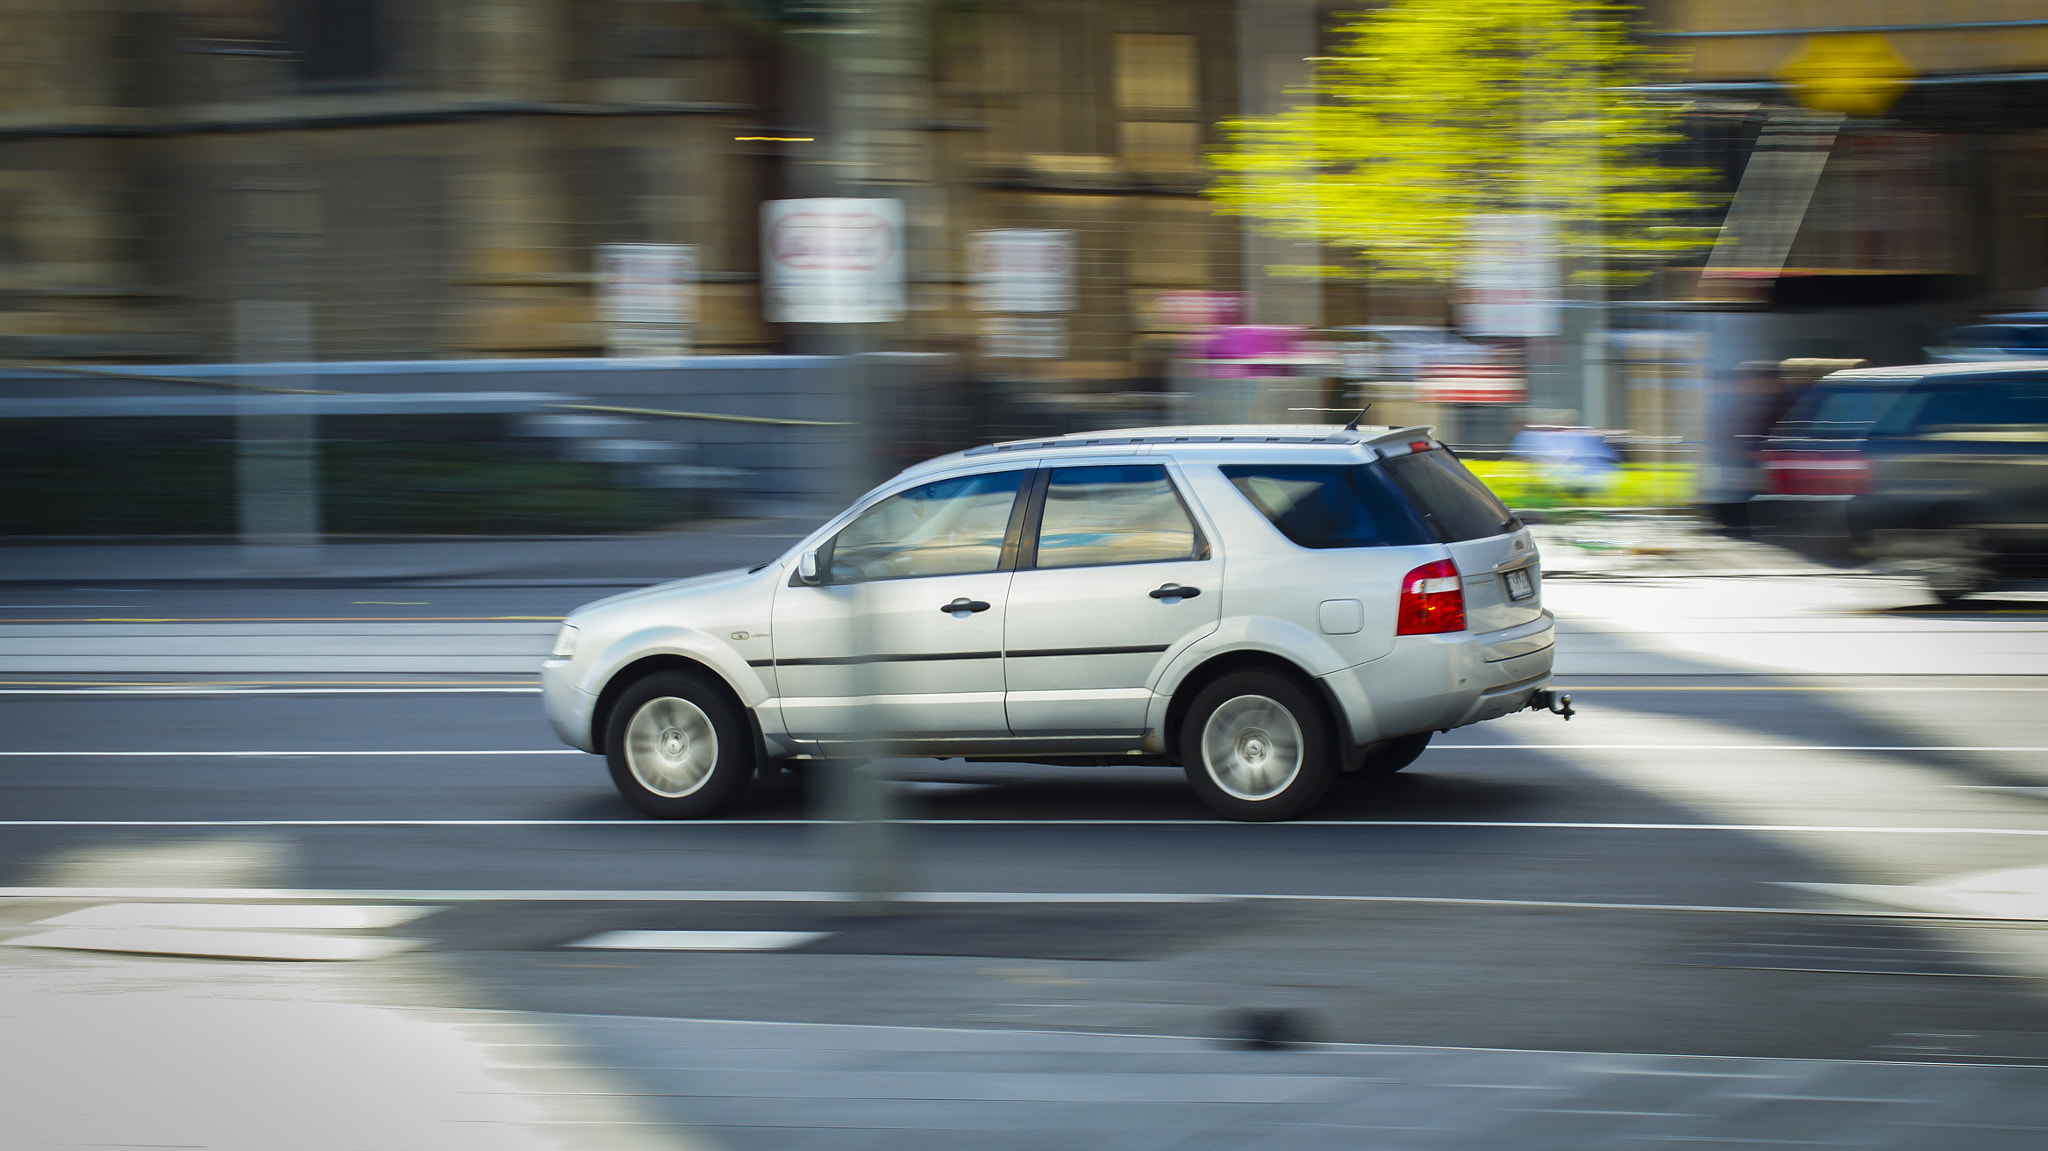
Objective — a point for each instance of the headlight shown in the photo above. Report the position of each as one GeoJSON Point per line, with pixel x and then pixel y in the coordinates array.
{"type": "Point", "coordinates": [565, 643]}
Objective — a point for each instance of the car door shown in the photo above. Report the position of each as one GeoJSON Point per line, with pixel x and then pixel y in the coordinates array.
{"type": "Point", "coordinates": [1091, 613]}
{"type": "Point", "coordinates": [903, 635]}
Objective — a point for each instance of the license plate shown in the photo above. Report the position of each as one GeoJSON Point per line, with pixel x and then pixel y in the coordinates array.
{"type": "Point", "coordinates": [1520, 586]}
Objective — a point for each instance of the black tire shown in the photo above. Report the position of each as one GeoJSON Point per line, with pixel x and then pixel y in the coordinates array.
{"type": "Point", "coordinates": [1256, 747]}
{"type": "Point", "coordinates": [678, 746]}
{"type": "Point", "coordinates": [1388, 756]}
{"type": "Point", "coordinates": [1954, 584]}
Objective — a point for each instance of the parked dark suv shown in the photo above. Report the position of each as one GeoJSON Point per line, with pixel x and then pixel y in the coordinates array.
{"type": "Point", "coordinates": [1956, 477]}
{"type": "Point", "coordinates": [1812, 463]}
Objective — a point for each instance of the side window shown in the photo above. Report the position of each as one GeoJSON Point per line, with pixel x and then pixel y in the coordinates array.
{"type": "Point", "coordinates": [947, 527]}
{"type": "Point", "coordinates": [1121, 514]}
{"type": "Point", "coordinates": [1327, 505]}
{"type": "Point", "coordinates": [1944, 411]}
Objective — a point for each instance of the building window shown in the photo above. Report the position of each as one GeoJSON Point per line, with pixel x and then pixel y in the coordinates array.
{"type": "Point", "coordinates": [1155, 73]}
{"type": "Point", "coordinates": [1161, 148]}
{"type": "Point", "coordinates": [1155, 97]}
{"type": "Point", "coordinates": [235, 27]}
{"type": "Point", "coordinates": [336, 42]}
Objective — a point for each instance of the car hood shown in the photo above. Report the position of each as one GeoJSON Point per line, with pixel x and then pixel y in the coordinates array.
{"type": "Point", "coordinates": [661, 591]}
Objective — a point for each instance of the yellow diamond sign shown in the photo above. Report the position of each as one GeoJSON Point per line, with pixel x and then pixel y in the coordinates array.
{"type": "Point", "coordinates": [1857, 74]}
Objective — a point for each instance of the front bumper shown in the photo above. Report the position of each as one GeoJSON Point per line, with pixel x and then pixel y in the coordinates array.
{"type": "Point", "coordinates": [569, 708]}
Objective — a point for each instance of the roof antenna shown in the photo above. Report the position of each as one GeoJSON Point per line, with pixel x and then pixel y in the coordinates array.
{"type": "Point", "coordinates": [1353, 425]}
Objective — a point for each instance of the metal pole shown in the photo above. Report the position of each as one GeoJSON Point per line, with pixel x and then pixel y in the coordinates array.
{"type": "Point", "coordinates": [276, 218]}
{"type": "Point", "coordinates": [868, 55]}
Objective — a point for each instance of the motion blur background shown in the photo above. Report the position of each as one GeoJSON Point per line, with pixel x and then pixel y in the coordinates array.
{"type": "Point", "coordinates": [346, 346]}
{"type": "Point", "coordinates": [202, 201]}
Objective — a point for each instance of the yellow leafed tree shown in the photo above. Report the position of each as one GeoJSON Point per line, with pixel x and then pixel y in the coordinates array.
{"type": "Point", "coordinates": [1434, 111]}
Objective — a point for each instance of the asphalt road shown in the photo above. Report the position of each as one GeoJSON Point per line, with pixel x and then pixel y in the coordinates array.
{"type": "Point", "coordinates": [1732, 864]}
{"type": "Point", "coordinates": [1507, 849]}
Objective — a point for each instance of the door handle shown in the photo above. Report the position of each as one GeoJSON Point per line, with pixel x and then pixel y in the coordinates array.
{"type": "Point", "coordinates": [963, 607]}
{"type": "Point", "coordinates": [1174, 591]}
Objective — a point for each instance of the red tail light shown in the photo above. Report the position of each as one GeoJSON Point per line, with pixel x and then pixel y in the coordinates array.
{"type": "Point", "coordinates": [1432, 600]}
{"type": "Point", "coordinates": [1837, 473]}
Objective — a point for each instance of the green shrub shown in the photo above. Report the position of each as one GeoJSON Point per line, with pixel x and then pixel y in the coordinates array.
{"type": "Point", "coordinates": [1521, 484]}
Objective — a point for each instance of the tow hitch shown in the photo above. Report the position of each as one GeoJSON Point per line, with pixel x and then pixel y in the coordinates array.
{"type": "Point", "coordinates": [1544, 699]}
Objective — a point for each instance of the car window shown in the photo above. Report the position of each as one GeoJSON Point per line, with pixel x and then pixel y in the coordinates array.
{"type": "Point", "coordinates": [1999, 403]}
{"type": "Point", "coordinates": [1327, 505]}
{"type": "Point", "coordinates": [1454, 501]}
{"type": "Point", "coordinates": [947, 527]}
{"type": "Point", "coordinates": [1976, 336]}
{"type": "Point", "coordinates": [1120, 514]}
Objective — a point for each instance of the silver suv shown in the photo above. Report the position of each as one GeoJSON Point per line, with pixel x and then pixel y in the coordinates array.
{"type": "Point", "coordinates": [1270, 607]}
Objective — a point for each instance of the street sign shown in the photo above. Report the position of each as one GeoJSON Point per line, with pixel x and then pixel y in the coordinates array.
{"type": "Point", "coordinates": [1472, 384]}
{"type": "Point", "coordinates": [647, 297]}
{"type": "Point", "coordinates": [1856, 74]}
{"type": "Point", "coordinates": [1023, 337]}
{"type": "Point", "coordinates": [1022, 269]}
{"type": "Point", "coordinates": [833, 260]}
{"type": "Point", "coordinates": [1511, 279]}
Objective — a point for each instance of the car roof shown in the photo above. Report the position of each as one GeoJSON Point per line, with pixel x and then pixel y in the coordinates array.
{"type": "Point", "coordinates": [1913, 373]}
{"type": "Point", "coordinates": [1221, 437]}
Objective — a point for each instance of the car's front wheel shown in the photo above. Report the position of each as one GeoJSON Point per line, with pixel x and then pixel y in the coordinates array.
{"type": "Point", "coordinates": [1254, 746]}
{"type": "Point", "coordinates": [678, 747]}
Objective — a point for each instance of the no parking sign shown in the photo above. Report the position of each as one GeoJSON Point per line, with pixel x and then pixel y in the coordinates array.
{"type": "Point", "coordinates": [833, 260]}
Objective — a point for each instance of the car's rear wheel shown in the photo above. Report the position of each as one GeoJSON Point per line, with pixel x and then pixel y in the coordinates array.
{"type": "Point", "coordinates": [1391, 755]}
{"type": "Point", "coordinates": [1255, 747]}
{"type": "Point", "coordinates": [678, 747]}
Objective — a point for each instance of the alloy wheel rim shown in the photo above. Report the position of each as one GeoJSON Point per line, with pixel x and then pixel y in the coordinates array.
{"type": "Point", "coordinates": [671, 747]}
{"type": "Point", "coordinates": [1252, 747]}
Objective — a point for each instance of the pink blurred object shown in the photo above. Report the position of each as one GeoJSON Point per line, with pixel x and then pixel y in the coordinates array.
{"type": "Point", "coordinates": [1252, 350]}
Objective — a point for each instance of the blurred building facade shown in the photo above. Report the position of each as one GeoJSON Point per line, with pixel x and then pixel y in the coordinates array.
{"type": "Point", "coordinates": [432, 177]}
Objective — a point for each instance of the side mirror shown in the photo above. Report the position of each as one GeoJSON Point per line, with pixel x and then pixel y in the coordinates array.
{"type": "Point", "coordinates": [807, 569]}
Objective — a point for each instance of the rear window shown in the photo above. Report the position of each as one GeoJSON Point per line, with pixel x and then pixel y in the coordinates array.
{"type": "Point", "coordinates": [1836, 412]}
{"type": "Point", "coordinates": [1454, 501]}
{"type": "Point", "coordinates": [1328, 505]}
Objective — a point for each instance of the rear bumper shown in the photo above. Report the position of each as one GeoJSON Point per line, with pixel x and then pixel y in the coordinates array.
{"type": "Point", "coordinates": [1437, 682]}
{"type": "Point", "coordinates": [1812, 526]}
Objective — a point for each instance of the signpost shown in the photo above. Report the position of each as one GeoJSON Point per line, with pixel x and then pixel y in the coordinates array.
{"type": "Point", "coordinates": [833, 260]}
{"type": "Point", "coordinates": [647, 297]}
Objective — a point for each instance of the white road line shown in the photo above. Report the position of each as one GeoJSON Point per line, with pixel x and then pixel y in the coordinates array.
{"type": "Point", "coordinates": [266, 916]}
{"type": "Point", "coordinates": [1219, 824]}
{"type": "Point", "coordinates": [578, 895]}
{"type": "Point", "coordinates": [182, 690]}
{"type": "Point", "coordinates": [1434, 747]}
{"type": "Point", "coordinates": [700, 940]}
{"type": "Point", "coordinates": [486, 895]}
{"type": "Point", "coordinates": [284, 754]}
{"type": "Point", "coordinates": [215, 944]}
{"type": "Point", "coordinates": [1722, 747]}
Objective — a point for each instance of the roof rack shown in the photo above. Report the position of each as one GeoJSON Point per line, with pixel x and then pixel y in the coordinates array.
{"type": "Point", "coordinates": [1211, 434]}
